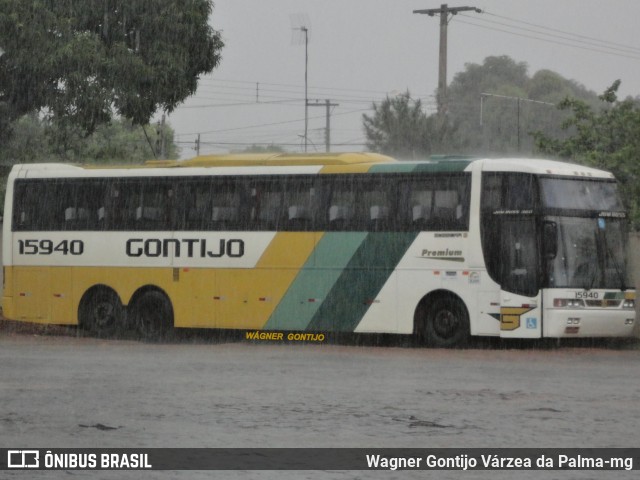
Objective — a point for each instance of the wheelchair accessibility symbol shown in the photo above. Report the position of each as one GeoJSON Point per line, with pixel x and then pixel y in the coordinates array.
{"type": "Point", "coordinates": [532, 323]}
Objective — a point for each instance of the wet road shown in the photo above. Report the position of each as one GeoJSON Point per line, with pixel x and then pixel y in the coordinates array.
{"type": "Point", "coordinates": [61, 391]}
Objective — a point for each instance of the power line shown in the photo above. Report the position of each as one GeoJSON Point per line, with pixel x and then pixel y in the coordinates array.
{"type": "Point", "coordinates": [247, 89]}
{"type": "Point", "coordinates": [593, 39]}
{"type": "Point", "coordinates": [555, 42]}
{"type": "Point", "coordinates": [300, 87]}
{"type": "Point", "coordinates": [287, 102]}
{"type": "Point", "coordinates": [246, 93]}
{"type": "Point", "coordinates": [285, 122]}
{"type": "Point", "coordinates": [237, 93]}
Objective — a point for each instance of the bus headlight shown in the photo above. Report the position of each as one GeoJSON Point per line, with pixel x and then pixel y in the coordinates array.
{"type": "Point", "coordinates": [568, 303]}
{"type": "Point", "coordinates": [630, 304]}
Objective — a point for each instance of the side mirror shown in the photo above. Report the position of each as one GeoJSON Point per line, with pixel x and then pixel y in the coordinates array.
{"type": "Point", "coordinates": [549, 240]}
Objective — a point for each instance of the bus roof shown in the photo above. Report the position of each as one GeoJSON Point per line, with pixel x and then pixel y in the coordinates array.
{"type": "Point", "coordinates": [540, 166]}
{"type": "Point", "coordinates": [274, 159]}
{"type": "Point", "coordinates": [285, 163]}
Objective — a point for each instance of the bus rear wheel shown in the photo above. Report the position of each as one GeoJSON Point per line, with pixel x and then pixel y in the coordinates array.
{"type": "Point", "coordinates": [443, 321]}
{"type": "Point", "coordinates": [101, 312]}
{"type": "Point", "coordinates": [153, 315]}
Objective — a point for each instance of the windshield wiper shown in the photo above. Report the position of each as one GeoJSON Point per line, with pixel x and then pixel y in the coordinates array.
{"type": "Point", "coordinates": [616, 266]}
{"type": "Point", "coordinates": [592, 282]}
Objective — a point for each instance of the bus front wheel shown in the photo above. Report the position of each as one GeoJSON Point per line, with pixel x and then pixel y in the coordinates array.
{"type": "Point", "coordinates": [442, 321]}
{"type": "Point", "coordinates": [153, 314]}
{"type": "Point", "coordinates": [101, 312]}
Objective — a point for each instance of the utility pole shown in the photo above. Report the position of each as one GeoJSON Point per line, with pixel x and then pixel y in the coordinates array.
{"type": "Point", "coordinates": [445, 15]}
{"type": "Point", "coordinates": [161, 141]}
{"type": "Point", "coordinates": [301, 24]}
{"type": "Point", "coordinates": [327, 132]}
{"type": "Point", "coordinates": [305, 30]}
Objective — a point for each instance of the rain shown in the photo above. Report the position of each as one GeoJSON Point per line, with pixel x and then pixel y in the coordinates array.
{"type": "Point", "coordinates": [195, 256]}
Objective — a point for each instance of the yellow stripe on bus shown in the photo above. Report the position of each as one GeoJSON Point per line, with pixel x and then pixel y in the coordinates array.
{"type": "Point", "coordinates": [246, 298]}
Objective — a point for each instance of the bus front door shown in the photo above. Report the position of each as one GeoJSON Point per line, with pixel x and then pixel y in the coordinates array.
{"type": "Point", "coordinates": [520, 300]}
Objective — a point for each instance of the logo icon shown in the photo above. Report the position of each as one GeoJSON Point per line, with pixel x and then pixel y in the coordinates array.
{"type": "Point", "coordinates": [532, 323]}
{"type": "Point", "coordinates": [23, 459]}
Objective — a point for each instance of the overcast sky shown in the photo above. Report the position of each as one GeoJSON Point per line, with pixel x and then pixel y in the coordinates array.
{"type": "Point", "coordinates": [363, 50]}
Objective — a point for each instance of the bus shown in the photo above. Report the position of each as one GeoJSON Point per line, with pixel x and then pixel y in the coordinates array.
{"type": "Point", "coordinates": [305, 246]}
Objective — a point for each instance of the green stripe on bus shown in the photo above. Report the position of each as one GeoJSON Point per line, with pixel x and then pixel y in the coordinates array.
{"type": "Point", "coordinates": [315, 280]}
{"type": "Point", "coordinates": [361, 281]}
{"type": "Point", "coordinates": [443, 166]}
{"type": "Point", "coordinates": [435, 166]}
{"type": "Point", "coordinates": [393, 168]}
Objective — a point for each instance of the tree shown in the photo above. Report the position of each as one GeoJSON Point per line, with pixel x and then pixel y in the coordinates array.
{"type": "Point", "coordinates": [38, 140]}
{"type": "Point", "coordinates": [79, 61]}
{"type": "Point", "coordinates": [503, 125]}
{"type": "Point", "coordinates": [607, 137]}
{"type": "Point", "coordinates": [507, 123]}
{"type": "Point", "coordinates": [273, 148]}
{"type": "Point", "coordinates": [400, 127]}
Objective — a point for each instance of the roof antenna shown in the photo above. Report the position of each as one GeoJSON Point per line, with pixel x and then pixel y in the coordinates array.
{"type": "Point", "coordinates": [300, 23]}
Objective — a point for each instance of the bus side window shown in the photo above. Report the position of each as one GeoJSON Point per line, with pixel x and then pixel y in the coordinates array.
{"type": "Point", "coordinates": [445, 209]}
{"type": "Point", "coordinates": [267, 205]}
{"type": "Point", "coordinates": [83, 210]}
{"type": "Point", "coordinates": [194, 204]}
{"type": "Point", "coordinates": [362, 203]}
{"type": "Point", "coordinates": [26, 204]}
{"type": "Point", "coordinates": [156, 207]}
{"type": "Point", "coordinates": [301, 204]}
{"type": "Point", "coordinates": [341, 211]}
{"type": "Point", "coordinates": [436, 203]}
{"type": "Point", "coordinates": [54, 197]}
{"type": "Point", "coordinates": [109, 212]}
{"type": "Point", "coordinates": [226, 203]}
{"type": "Point", "coordinates": [127, 199]}
{"type": "Point", "coordinates": [375, 207]}
{"type": "Point", "coordinates": [134, 204]}
{"type": "Point", "coordinates": [419, 206]}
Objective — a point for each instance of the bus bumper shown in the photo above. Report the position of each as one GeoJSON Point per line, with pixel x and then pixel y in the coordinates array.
{"type": "Point", "coordinates": [588, 323]}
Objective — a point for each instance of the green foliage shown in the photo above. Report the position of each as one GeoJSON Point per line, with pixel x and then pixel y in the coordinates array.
{"type": "Point", "coordinates": [119, 142]}
{"type": "Point", "coordinates": [261, 149]}
{"type": "Point", "coordinates": [607, 137]}
{"type": "Point", "coordinates": [79, 61]}
{"type": "Point", "coordinates": [507, 123]}
{"type": "Point", "coordinates": [400, 127]}
{"type": "Point", "coordinates": [37, 140]}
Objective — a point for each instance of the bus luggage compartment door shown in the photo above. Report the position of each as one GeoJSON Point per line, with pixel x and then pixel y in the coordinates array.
{"type": "Point", "coordinates": [31, 294]}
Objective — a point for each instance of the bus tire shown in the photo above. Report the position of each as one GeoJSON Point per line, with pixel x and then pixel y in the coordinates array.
{"type": "Point", "coordinates": [443, 321]}
{"type": "Point", "coordinates": [153, 315]}
{"type": "Point", "coordinates": [101, 312]}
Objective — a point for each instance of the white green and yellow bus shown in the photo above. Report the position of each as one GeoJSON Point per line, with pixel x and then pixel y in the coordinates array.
{"type": "Point", "coordinates": [302, 246]}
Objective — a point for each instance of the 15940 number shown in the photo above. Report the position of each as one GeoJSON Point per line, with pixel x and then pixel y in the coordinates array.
{"type": "Point", "coordinates": [49, 247]}
{"type": "Point", "coordinates": [587, 294]}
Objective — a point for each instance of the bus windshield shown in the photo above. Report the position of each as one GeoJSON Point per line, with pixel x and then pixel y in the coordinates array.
{"type": "Point", "coordinates": [591, 254]}
{"type": "Point", "coordinates": [581, 194]}
{"type": "Point", "coordinates": [592, 233]}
